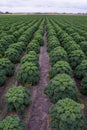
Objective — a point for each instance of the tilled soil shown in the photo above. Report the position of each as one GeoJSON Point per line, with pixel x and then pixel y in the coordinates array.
{"type": "Point", "coordinates": [38, 112]}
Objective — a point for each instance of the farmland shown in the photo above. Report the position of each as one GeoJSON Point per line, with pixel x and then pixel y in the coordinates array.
{"type": "Point", "coordinates": [43, 72]}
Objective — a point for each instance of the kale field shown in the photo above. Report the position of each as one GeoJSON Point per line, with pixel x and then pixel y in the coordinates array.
{"type": "Point", "coordinates": [43, 72]}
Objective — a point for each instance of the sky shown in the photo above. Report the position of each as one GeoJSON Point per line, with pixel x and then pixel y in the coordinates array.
{"type": "Point", "coordinates": [60, 6]}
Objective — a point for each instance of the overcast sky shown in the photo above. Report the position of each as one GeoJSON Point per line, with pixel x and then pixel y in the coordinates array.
{"type": "Point", "coordinates": [68, 6]}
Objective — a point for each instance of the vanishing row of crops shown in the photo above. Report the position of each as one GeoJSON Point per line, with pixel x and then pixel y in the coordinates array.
{"type": "Point", "coordinates": [20, 41]}
{"type": "Point", "coordinates": [68, 61]}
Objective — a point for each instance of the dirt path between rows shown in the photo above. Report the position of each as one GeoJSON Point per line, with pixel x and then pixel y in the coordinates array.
{"type": "Point", "coordinates": [38, 111]}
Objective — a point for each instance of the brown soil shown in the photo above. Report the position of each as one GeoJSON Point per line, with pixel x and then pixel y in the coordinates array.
{"type": "Point", "coordinates": [37, 114]}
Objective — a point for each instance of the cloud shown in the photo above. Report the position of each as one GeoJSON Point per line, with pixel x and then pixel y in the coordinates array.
{"type": "Point", "coordinates": [44, 5]}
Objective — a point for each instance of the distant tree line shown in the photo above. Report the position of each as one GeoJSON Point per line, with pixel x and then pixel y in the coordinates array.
{"type": "Point", "coordinates": [5, 12]}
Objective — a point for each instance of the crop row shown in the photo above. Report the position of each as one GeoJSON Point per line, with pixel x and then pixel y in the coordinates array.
{"type": "Point", "coordinates": [20, 42]}
{"type": "Point", "coordinates": [66, 59]}
{"type": "Point", "coordinates": [13, 53]}
{"type": "Point", "coordinates": [18, 97]}
{"type": "Point", "coordinates": [76, 50]}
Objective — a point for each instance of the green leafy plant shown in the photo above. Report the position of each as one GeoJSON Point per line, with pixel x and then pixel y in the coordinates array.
{"type": "Point", "coordinates": [28, 73]}
{"type": "Point", "coordinates": [7, 66]}
{"type": "Point", "coordinates": [2, 50]}
{"type": "Point", "coordinates": [84, 85]}
{"type": "Point", "coordinates": [22, 45]}
{"type": "Point", "coordinates": [34, 54]}
{"type": "Point", "coordinates": [2, 77]}
{"type": "Point", "coordinates": [39, 39]}
{"type": "Point", "coordinates": [76, 57]}
{"type": "Point", "coordinates": [67, 114]}
{"type": "Point", "coordinates": [17, 46]}
{"type": "Point", "coordinates": [17, 98]}
{"type": "Point", "coordinates": [73, 47]}
{"type": "Point", "coordinates": [59, 68]}
{"type": "Point", "coordinates": [23, 39]}
{"type": "Point", "coordinates": [58, 54]}
{"type": "Point", "coordinates": [12, 123]}
{"type": "Point", "coordinates": [51, 33]}
{"type": "Point", "coordinates": [40, 31]}
{"type": "Point", "coordinates": [4, 43]}
{"type": "Point", "coordinates": [84, 46]}
{"type": "Point", "coordinates": [9, 39]}
{"type": "Point", "coordinates": [13, 55]}
{"type": "Point", "coordinates": [68, 44]}
{"type": "Point", "coordinates": [78, 38]}
{"type": "Point", "coordinates": [61, 86]}
{"type": "Point", "coordinates": [33, 47]}
{"type": "Point", "coordinates": [30, 58]}
{"type": "Point", "coordinates": [65, 38]}
{"type": "Point", "coordinates": [52, 38]}
{"type": "Point", "coordinates": [52, 44]}
{"type": "Point", "coordinates": [84, 33]}
{"type": "Point", "coordinates": [81, 69]}
{"type": "Point", "coordinates": [69, 30]}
